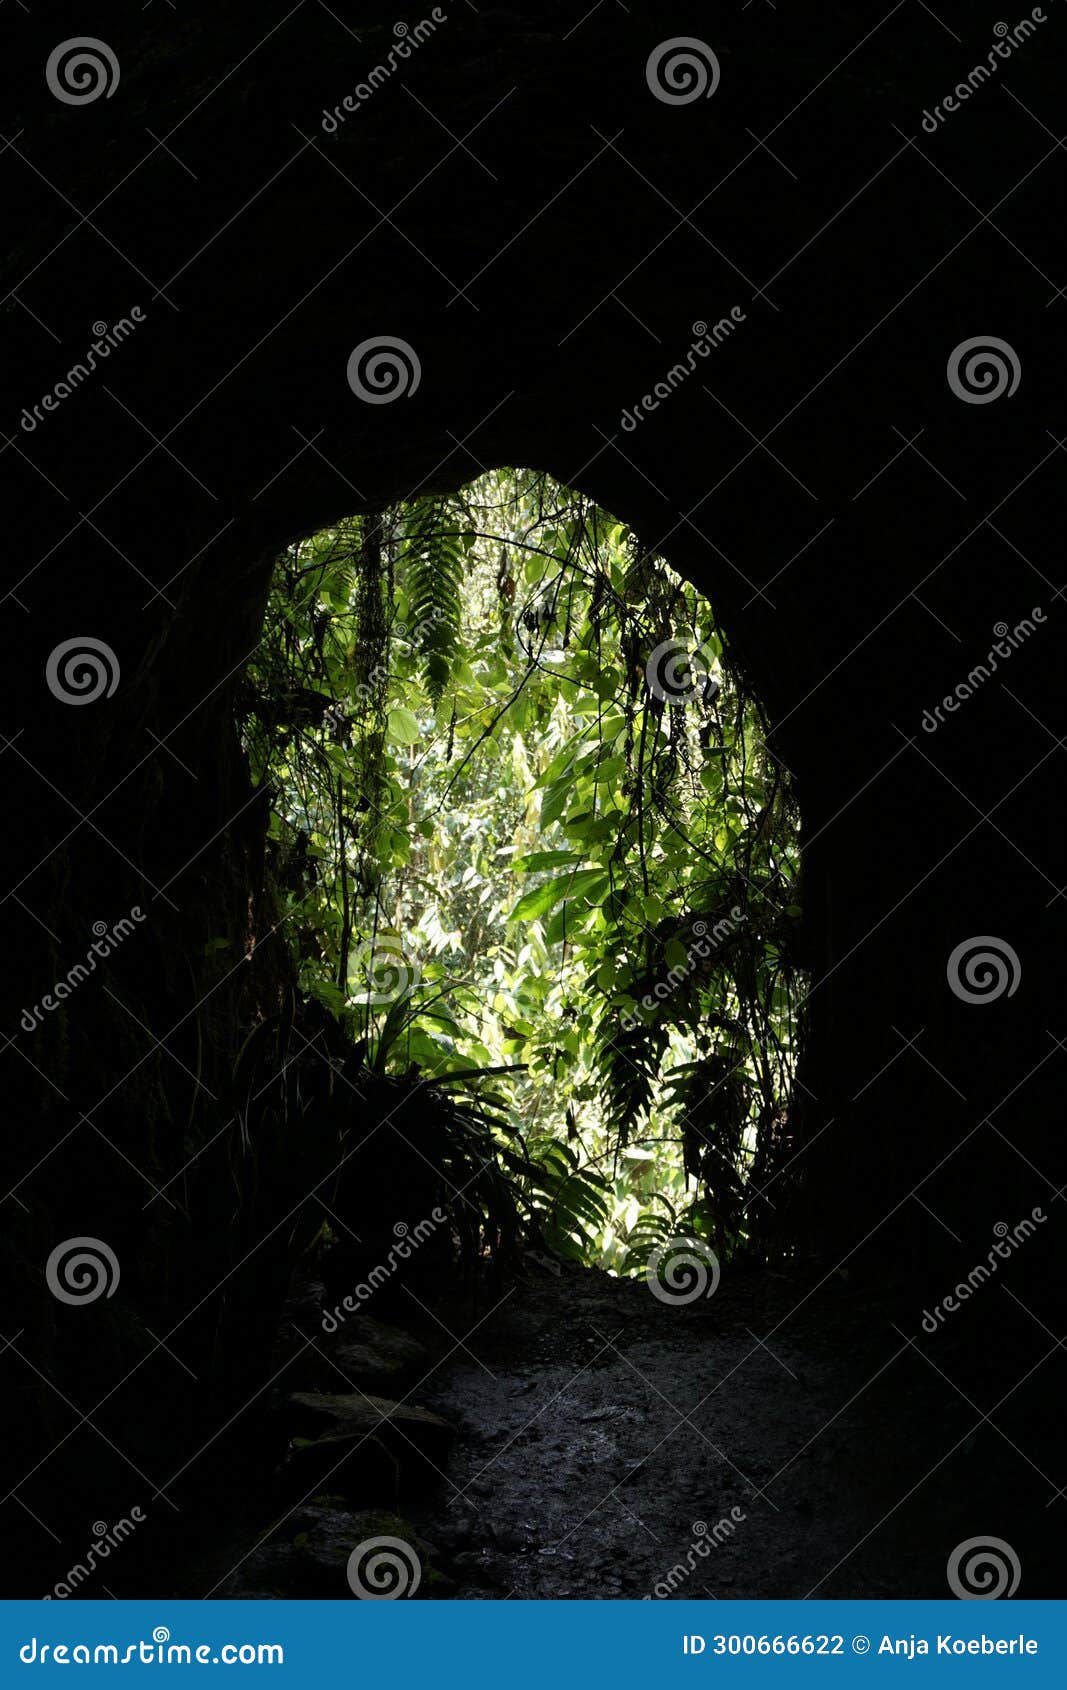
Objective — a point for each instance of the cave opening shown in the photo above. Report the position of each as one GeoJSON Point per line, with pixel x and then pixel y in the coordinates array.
{"type": "Point", "coordinates": [538, 874]}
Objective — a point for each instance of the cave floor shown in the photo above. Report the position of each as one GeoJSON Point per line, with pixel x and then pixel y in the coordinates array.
{"type": "Point", "coordinates": [771, 1441]}
{"type": "Point", "coordinates": [605, 1438]}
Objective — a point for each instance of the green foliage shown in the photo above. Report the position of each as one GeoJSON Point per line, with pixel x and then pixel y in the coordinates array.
{"type": "Point", "coordinates": [517, 843]}
{"type": "Point", "coordinates": [436, 557]}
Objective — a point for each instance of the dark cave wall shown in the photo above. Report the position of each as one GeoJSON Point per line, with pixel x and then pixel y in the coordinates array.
{"type": "Point", "coordinates": [598, 227]}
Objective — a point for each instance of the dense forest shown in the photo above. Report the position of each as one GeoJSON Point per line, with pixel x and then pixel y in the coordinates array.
{"type": "Point", "coordinates": [532, 848]}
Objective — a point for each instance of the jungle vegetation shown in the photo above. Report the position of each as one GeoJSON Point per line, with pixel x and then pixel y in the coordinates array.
{"type": "Point", "coordinates": [536, 857]}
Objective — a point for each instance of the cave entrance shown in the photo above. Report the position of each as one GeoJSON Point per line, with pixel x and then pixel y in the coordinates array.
{"type": "Point", "coordinates": [535, 855]}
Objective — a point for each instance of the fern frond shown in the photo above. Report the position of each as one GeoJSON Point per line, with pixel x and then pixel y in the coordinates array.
{"type": "Point", "coordinates": [629, 1061]}
{"type": "Point", "coordinates": [434, 570]}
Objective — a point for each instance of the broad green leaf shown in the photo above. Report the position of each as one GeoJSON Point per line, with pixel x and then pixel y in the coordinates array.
{"type": "Point", "coordinates": [403, 727]}
{"type": "Point", "coordinates": [537, 903]}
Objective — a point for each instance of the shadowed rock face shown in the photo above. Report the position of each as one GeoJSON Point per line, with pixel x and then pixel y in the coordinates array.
{"type": "Point", "coordinates": [517, 204]}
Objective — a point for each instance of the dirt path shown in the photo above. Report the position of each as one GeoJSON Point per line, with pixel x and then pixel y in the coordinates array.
{"type": "Point", "coordinates": [611, 1446]}
{"type": "Point", "coordinates": [770, 1441]}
